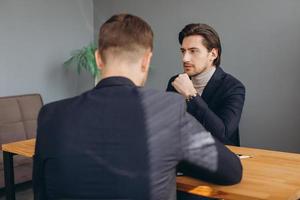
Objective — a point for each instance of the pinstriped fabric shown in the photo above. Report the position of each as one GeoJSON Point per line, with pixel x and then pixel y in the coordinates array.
{"type": "Point", "coordinates": [173, 136]}
{"type": "Point", "coordinates": [131, 140]}
{"type": "Point", "coordinates": [198, 144]}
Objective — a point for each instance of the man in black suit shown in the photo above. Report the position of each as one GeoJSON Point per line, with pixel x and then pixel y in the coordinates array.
{"type": "Point", "coordinates": [214, 98]}
{"type": "Point", "coordinates": [119, 140]}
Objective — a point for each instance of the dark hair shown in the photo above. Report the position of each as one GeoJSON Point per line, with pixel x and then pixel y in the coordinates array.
{"type": "Point", "coordinates": [126, 33]}
{"type": "Point", "coordinates": [211, 38]}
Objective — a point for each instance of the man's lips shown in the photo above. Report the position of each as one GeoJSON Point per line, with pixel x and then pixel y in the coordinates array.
{"type": "Point", "coordinates": [185, 64]}
{"type": "Point", "coordinates": [188, 66]}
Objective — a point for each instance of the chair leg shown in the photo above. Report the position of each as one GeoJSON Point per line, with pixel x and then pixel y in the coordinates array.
{"type": "Point", "coordinates": [9, 175]}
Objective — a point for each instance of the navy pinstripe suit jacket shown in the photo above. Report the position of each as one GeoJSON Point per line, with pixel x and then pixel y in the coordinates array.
{"type": "Point", "coordinates": [119, 141]}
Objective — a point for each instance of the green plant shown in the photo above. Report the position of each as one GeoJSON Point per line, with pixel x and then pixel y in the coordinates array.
{"type": "Point", "coordinates": [84, 59]}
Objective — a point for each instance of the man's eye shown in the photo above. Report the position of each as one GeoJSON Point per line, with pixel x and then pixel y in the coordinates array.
{"type": "Point", "coordinates": [194, 51]}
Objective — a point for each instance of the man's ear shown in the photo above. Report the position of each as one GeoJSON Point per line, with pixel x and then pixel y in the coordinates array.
{"type": "Point", "coordinates": [99, 60]}
{"type": "Point", "coordinates": [146, 60]}
{"type": "Point", "coordinates": [214, 54]}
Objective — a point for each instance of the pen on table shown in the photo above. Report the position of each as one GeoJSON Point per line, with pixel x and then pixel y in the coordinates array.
{"type": "Point", "coordinates": [241, 156]}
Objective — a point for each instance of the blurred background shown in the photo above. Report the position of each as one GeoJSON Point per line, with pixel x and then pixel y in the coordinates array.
{"type": "Point", "coordinates": [260, 40]}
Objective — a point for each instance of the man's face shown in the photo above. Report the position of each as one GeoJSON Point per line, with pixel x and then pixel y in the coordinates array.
{"type": "Point", "coordinates": [195, 56]}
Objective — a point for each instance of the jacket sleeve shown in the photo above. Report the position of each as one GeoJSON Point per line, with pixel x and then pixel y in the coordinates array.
{"type": "Point", "coordinates": [38, 179]}
{"type": "Point", "coordinates": [38, 166]}
{"type": "Point", "coordinates": [170, 88]}
{"type": "Point", "coordinates": [204, 157]}
{"type": "Point", "coordinates": [222, 123]}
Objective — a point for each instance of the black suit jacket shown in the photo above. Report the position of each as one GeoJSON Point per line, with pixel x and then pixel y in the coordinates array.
{"type": "Point", "coordinates": [220, 107]}
{"type": "Point", "coordinates": [118, 141]}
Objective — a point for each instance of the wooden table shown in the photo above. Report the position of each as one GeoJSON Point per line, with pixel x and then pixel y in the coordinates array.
{"type": "Point", "coordinates": [270, 175]}
{"type": "Point", "coordinates": [24, 148]}
{"type": "Point", "coordinates": [267, 174]}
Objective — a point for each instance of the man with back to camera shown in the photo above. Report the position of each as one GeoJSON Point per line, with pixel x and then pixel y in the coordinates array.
{"type": "Point", "coordinates": [214, 98]}
{"type": "Point", "coordinates": [119, 140]}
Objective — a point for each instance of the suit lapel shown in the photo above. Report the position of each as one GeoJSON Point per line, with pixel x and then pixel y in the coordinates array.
{"type": "Point", "coordinates": [213, 84]}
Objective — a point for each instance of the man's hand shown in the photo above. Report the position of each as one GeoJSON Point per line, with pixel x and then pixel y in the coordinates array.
{"type": "Point", "coordinates": [184, 85]}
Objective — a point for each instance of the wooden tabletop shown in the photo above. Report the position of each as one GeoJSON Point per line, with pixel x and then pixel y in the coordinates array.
{"type": "Point", "coordinates": [23, 147]}
{"type": "Point", "coordinates": [267, 174]}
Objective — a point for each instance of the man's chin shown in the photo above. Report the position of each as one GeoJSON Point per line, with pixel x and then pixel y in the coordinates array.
{"type": "Point", "coordinates": [189, 73]}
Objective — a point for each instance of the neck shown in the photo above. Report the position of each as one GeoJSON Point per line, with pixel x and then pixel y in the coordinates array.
{"type": "Point", "coordinates": [200, 80]}
{"type": "Point", "coordinates": [123, 70]}
{"type": "Point", "coordinates": [207, 71]}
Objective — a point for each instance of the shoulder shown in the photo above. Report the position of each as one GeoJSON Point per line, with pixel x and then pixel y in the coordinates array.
{"type": "Point", "coordinates": [161, 100]}
{"type": "Point", "coordinates": [52, 108]}
{"type": "Point", "coordinates": [160, 95]}
{"type": "Point", "coordinates": [59, 103]}
{"type": "Point", "coordinates": [230, 82]}
{"type": "Point", "coordinates": [233, 80]}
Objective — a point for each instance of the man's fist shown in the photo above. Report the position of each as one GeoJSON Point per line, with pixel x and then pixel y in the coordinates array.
{"type": "Point", "coordinates": [184, 85]}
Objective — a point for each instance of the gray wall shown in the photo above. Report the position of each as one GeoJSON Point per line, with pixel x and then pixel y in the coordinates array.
{"type": "Point", "coordinates": [36, 37]}
{"type": "Point", "coordinates": [261, 44]}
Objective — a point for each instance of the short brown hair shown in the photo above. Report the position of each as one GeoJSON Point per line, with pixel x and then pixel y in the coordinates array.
{"type": "Point", "coordinates": [124, 33]}
{"type": "Point", "coordinates": [211, 38]}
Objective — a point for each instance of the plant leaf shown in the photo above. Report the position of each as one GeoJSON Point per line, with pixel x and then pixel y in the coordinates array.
{"type": "Point", "coordinates": [84, 59]}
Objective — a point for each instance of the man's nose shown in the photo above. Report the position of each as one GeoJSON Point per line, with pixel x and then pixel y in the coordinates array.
{"type": "Point", "coordinates": [186, 57]}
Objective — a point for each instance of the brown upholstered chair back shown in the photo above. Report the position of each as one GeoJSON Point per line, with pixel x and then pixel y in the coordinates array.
{"type": "Point", "coordinates": [18, 117]}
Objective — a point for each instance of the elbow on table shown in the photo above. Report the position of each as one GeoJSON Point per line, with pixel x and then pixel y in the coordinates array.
{"type": "Point", "coordinates": [235, 176]}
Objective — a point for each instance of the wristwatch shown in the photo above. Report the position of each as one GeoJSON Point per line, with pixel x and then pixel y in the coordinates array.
{"type": "Point", "coordinates": [192, 96]}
